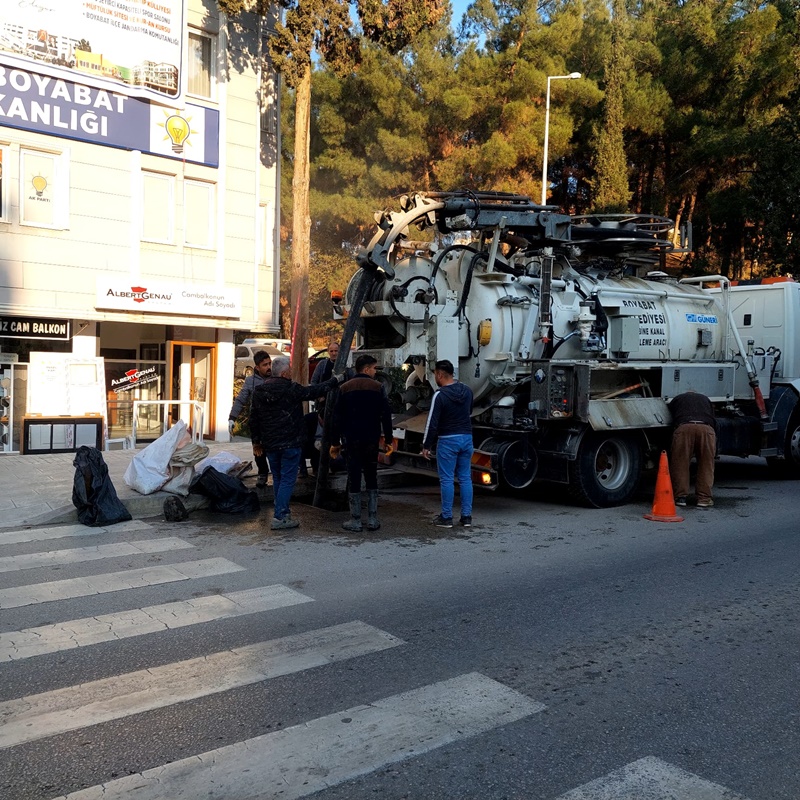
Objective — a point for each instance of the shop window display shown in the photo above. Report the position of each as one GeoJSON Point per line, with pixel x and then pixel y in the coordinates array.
{"type": "Point", "coordinates": [128, 380]}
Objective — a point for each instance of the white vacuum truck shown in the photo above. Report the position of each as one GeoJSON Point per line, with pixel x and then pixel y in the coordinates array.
{"type": "Point", "coordinates": [572, 340]}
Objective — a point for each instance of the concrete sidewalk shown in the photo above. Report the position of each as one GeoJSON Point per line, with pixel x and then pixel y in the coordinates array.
{"type": "Point", "coordinates": [37, 489]}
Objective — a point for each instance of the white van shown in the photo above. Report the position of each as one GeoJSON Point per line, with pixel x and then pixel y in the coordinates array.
{"type": "Point", "coordinates": [243, 357]}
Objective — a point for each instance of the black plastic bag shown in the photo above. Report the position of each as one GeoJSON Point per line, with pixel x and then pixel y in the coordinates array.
{"type": "Point", "coordinates": [226, 493]}
{"type": "Point", "coordinates": [93, 493]}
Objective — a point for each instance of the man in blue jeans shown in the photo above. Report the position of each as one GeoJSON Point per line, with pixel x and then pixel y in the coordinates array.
{"type": "Point", "coordinates": [449, 428]}
{"type": "Point", "coordinates": [277, 429]}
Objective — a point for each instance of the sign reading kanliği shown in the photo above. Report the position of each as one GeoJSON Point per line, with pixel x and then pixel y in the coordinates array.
{"type": "Point", "coordinates": [39, 102]}
{"type": "Point", "coordinates": [167, 298]}
{"type": "Point", "coordinates": [132, 47]}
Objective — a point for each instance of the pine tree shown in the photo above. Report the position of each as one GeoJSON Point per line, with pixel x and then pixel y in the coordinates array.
{"type": "Point", "coordinates": [324, 27]}
{"type": "Point", "coordinates": [611, 192]}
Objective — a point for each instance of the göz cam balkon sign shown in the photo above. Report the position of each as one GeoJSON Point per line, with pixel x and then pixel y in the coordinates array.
{"type": "Point", "coordinates": [35, 328]}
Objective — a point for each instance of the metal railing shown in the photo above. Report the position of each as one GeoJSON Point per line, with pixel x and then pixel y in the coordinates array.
{"type": "Point", "coordinates": [197, 417]}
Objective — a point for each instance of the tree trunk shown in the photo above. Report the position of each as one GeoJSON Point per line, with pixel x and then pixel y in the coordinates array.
{"type": "Point", "coordinates": [301, 229]}
{"type": "Point", "coordinates": [676, 231]}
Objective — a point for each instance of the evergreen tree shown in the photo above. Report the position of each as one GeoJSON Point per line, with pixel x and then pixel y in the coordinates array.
{"type": "Point", "coordinates": [324, 27]}
{"type": "Point", "coordinates": [611, 192]}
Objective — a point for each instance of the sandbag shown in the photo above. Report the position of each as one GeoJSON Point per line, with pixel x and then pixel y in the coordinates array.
{"type": "Point", "coordinates": [93, 493]}
{"type": "Point", "coordinates": [225, 493]}
{"type": "Point", "coordinates": [225, 462]}
{"type": "Point", "coordinates": [166, 463]}
{"type": "Point", "coordinates": [175, 510]}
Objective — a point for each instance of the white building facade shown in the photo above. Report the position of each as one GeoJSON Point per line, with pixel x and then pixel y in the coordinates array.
{"type": "Point", "coordinates": [139, 200]}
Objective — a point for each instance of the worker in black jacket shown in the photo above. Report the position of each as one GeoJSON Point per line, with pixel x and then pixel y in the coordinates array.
{"type": "Point", "coordinates": [263, 369]}
{"type": "Point", "coordinates": [362, 414]}
{"type": "Point", "coordinates": [277, 429]}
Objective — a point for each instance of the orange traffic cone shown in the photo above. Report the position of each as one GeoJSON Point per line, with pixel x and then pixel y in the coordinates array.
{"type": "Point", "coordinates": [663, 502]}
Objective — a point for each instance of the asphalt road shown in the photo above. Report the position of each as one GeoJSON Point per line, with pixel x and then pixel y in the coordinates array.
{"type": "Point", "coordinates": [548, 652]}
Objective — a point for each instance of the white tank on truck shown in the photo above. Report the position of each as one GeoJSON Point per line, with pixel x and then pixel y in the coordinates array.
{"type": "Point", "coordinates": [573, 339]}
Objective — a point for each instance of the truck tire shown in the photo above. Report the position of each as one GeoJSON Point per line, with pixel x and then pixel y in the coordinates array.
{"type": "Point", "coordinates": [607, 469]}
{"type": "Point", "coordinates": [788, 467]}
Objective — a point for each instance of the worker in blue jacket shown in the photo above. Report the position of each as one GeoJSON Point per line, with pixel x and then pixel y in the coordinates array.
{"type": "Point", "coordinates": [449, 430]}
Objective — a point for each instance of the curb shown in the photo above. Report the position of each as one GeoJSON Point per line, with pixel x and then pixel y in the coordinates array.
{"type": "Point", "coordinates": [152, 505]}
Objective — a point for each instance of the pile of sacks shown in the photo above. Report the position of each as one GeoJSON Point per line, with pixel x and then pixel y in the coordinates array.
{"type": "Point", "coordinates": [167, 464]}
{"type": "Point", "coordinates": [176, 464]}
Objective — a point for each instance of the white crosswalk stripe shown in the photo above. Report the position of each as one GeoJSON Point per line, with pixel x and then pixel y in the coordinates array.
{"type": "Point", "coordinates": [651, 779]}
{"type": "Point", "coordinates": [38, 641]}
{"type": "Point", "coordinates": [62, 710]}
{"type": "Point", "coordinates": [113, 582]}
{"type": "Point", "coordinates": [79, 555]}
{"type": "Point", "coordinates": [66, 531]}
{"type": "Point", "coordinates": [306, 758]}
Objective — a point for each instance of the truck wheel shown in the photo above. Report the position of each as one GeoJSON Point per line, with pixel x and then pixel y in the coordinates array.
{"type": "Point", "coordinates": [607, 469]}
{"type": "Point", "coordinates": [789, 465]}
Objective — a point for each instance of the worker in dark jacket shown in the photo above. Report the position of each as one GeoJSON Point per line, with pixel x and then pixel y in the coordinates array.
{"type": "Point", "coordinates": [263, 369]}
{"type": "Point", "coordinates": [362, 414]}
{"type": "Point", "coordinates": [449, 430]}
{"type": "Point", "coordinates": [324, 369]}
{"type": "Point", "coordinates": [694, 435]}
{"type": "Point", "coordinates": [277, 429]}
{"type": "Point", "coordinates": [323, 372]}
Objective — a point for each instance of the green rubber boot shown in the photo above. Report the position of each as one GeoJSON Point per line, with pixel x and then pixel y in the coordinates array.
{"type": "Point", "coordinates": [372, 510]}
{"type": "Point", "coordinates": [354, 523]}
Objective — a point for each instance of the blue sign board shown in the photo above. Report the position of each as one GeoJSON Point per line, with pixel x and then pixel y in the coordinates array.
{"type": "Point", "coordinates": [42, 103]}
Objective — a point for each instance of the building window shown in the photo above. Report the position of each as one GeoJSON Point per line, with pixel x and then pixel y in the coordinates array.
{"type": "Point", "coordinates": [202, 72]}
{"type": "Point", "coordinates": [158, 215]}
{"type": "Point", "coordinates": [199, 208]}
{"type": "Point", "coordinates": [268, 92]}
{"type": "Point", "coordinates": [266, 241]}
{"type": "Point", "coordinates": [44, 189]}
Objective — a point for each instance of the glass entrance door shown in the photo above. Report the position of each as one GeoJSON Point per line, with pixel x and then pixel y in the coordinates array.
{"type": "Point", "coordinates": [192, 374]}
{"type": "Point", "coordinates": [202, 388]}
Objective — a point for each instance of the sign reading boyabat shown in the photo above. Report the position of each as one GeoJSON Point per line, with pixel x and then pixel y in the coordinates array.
{"type": "Point", "coordinates": [35, 328]}
{"type": "Point", "coordinates": [43, 103]}
{"type": "Point", "coordinates": [168, 298]}
{"type": "Point", "coordinates": [134, 47]}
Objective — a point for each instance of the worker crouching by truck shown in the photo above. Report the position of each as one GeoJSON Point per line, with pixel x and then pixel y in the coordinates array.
{"type": "Point", "coordinates": [695, 435]}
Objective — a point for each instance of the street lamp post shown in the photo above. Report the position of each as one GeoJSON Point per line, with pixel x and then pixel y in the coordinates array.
{"type": "Point", "coordinates": [571, 77]}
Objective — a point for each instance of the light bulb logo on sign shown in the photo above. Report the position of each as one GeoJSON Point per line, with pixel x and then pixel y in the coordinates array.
{"type": "Point", "coordinates": [176, 133]}
{"type": "Point", "coordinates": [39, 184]}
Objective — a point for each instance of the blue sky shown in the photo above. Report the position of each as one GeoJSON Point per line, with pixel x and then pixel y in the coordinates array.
{"type": "Point", "coordinates": [459, 7]}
